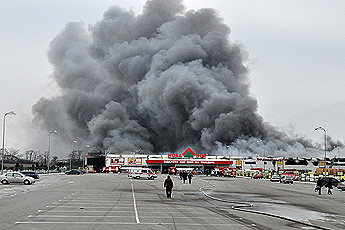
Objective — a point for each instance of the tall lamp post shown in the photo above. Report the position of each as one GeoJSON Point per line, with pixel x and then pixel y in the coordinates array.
{"type": "Point", "coordinates": [55, 131]}
{"type": "Point", "coordinates": [338, 156]}
{"type": "Point", "coordinates": [87, 146]}
{"type": "Point", "coordinates": [3, 140]}
{"type": "Point", "coordinates": [72, 149]}
{"type": "Point", "coordinates": [321, 128]}
{"type": "Point", "coordinates": [229, 147]}
{"type": "Point", "coordinates": [264, 153]}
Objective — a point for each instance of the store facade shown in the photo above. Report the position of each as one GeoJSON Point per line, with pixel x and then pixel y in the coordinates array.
{"type": "Point", "coordinates": [188, 160]}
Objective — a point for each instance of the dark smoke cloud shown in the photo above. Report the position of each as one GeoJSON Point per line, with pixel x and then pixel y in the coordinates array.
{"type": "Point", "coordinates": [159, 81]}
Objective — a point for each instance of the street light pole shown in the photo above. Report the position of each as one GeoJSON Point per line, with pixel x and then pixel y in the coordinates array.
{"type": "Point", "coordinates": [321, 128]}
{"type": "Point", "coordinates": [87, 146]}
{"type": "Point", "coordinates": [55, 131]}
{"type": "Point", "coordinates": [229, 147]}
{"type": "Point", "coordinates": [264, 153]}
{"type": "Point", "coordinates": [70, 159]}
{"type": "Point", "coordinates": [3, 140]}
{"type": "Point", "coordinates": [338, 156]}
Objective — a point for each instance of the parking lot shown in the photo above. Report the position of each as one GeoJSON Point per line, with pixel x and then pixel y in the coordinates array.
{"type": "Point", "coordinates": [101, 201]}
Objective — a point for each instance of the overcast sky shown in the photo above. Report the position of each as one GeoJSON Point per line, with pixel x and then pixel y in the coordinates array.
{"type": "Point", "coordinates": [296, 58]}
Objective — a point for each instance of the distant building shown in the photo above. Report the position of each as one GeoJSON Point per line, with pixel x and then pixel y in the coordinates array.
{"type": "Point", "coordinates": [188, 160]}
{"type": "Point", "coordinates": [15, 163]}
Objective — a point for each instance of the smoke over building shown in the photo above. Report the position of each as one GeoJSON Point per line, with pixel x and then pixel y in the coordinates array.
{"type": "Point", "coordinates": [159, 81]}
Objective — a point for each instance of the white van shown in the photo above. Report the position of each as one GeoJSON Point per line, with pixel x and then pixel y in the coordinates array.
{"type": "Point", "coordinates": [145, 173]}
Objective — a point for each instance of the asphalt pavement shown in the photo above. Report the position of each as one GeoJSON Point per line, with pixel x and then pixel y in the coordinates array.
{"type": "Point", "coordinates": [113, 201]}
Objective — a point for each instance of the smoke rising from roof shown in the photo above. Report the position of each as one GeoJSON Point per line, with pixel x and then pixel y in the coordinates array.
{"type": "Point", "coordinates": [159, 81]}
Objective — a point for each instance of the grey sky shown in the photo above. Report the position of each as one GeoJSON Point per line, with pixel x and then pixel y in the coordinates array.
{"type": "Point", "coordinates": [296, 52]}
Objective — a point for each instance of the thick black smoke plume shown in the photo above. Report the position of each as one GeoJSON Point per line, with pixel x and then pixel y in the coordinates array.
{"type": "Point", "coordinates": [159, 81]}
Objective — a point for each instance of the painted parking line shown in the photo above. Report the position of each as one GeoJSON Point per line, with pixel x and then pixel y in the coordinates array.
{"type": "Point", "coordinates": [128, 223]}
{"type": "Point", "coordinates": [134, 204]}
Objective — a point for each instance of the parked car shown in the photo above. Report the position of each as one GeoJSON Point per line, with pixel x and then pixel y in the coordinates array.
{"type": "Point", "coordinates": [341, 186]}
{"type": "Point", "coordinates": [257, 176]}
{"type": "Point", "coordinates": [16, 177]}
{"type": "Point", "coordinates": [292, 175]}
{"type": "Point", "coordinates": [31, 173]}
{"type": "Point", "coordinates": [216, 173]}
{"type": "Point", "coordinates": [275, 178]}
{"type": "Point", "coordinates": [230, 174]}
{"type": "Point", "coordinates": [73, 172]}
{"type": "Point", "coordinates": [286, 179]}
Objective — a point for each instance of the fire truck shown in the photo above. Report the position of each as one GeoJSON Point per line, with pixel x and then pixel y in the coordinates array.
{"type": "Point", "coordinates": [113, 169]}
{"type": "Point", "coordinates": [172, 171]}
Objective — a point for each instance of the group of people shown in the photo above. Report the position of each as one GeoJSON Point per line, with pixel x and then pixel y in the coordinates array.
{"type": "Point", "coordinates": [169, 184]}
{"type": "Point", "coordinates": [184, 175]}
{"type": "Point", "coordinates": [321, 182]}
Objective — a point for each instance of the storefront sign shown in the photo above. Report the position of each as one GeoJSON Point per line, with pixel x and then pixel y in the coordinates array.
{"type": "Point", "coordinates": [192, 161]}
{"type": "Point", "coordinates": [117, 161]}
{"type": "Point", "coordinates": [270, 159]}
{"type": "Point", "coordinates": [134, 161]}
{"type": "Point", "coordinates": [188, 153]}
{"type": "Point", "coordinates": [280, 165]}
{"type": "Point", "coordinates": [321, 164]}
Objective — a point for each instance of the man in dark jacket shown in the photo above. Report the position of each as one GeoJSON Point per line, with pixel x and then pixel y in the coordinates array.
{"type": "Point", "coordinates": [168, 185]}
{"type": "Point", "coordinates": [319, 185]}
{"type": "Point", "coordinates": [329, 186]}
{"type": "Point", "coordinates": [184, 176]}
{"type": "Point", "coordinates": [190, 176]}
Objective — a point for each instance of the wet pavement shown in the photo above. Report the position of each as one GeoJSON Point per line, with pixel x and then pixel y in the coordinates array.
{"type": "Point", "coordinates": [296, 202]}
{"type": "Point", "coordinates": [100, 201]}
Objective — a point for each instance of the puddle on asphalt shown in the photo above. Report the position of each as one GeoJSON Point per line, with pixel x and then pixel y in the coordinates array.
{"type": "Point", "coordinates": [289, 211]}
{"type": "Point", "coordinates": [281, 208]}
{"type": "Point", "coordinates": [298, 213]}
{"type": "Point", "coordinates": [253, 198]}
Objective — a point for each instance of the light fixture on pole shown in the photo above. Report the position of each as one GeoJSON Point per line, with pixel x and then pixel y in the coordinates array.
{"type": "Point", "coordinates": [55, 131]}
{"type": "Point", "coordinates": [321, 128]}
{"type": "Point", "coordinates": [87, 146]}
{"type": "Point", "coordinates": [338, 156]}
{"type": "Point", "coordinates": [72, 149]}
{"type": "Point", "coordinates": [3, 140]}
{"type": "Point", "coordinates": [264, 153]}
{"type": "Point", "coordinates": [229, 147]}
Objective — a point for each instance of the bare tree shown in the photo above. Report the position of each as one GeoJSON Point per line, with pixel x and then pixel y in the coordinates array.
{"type": "Point", "coordinates": [12, 152]}
{"type": "Point", "coordinates": [54, 160]}
{"type": "Point", "coordinates": [32, 155]}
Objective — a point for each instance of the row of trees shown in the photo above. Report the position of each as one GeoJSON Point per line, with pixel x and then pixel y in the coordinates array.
{"type": "Point", "coordinates": [31, 155]}
{"type": "Point", "coordinates": [41, 158]}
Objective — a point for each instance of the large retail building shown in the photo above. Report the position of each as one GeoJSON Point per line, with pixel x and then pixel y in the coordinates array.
{"type": "Point", "coordinates": [189, 160]}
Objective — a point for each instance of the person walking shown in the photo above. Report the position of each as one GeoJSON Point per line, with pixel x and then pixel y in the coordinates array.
{"type": "Point", "coordinates": [329, 186]}
{"type": "Point", "coordinates": [190, 176]}
{"type": "Point", "coordinates": [184, 176]}
{"type": "Point", "coordinates": [168, 185]}
{"type": "Point", "coordinates": [318, 185]}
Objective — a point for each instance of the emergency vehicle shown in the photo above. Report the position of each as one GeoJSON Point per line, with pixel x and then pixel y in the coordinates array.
{"type": "Point", "coordinates": [139, 173]}
{"type": "Point", "coordinates": [230, 172]}
{"type": "Point", "coordinates": [218, 171]}
{"type": "Point", "coordinates": [113, 169]}
{"type": "Point", "coordinates": [172, 171]}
